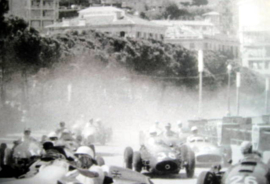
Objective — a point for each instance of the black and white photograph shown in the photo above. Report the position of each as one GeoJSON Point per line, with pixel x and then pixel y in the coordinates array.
{"type": "Point", "coordinates": [134, 91]}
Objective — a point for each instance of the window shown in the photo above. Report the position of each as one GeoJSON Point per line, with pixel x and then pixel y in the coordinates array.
{"type": "Point", "coordinates": [250, 64]}
{"type": "Point", "coordinates": [138, 34]}
{"type": "Point", "coordinates": [35, 24]}
{"type": "Point", "coordinates": [122, 34]}
{"type": "Point", "coordinates": [256, 64]}
{"type": "Point", "coordinates": [266, 64]}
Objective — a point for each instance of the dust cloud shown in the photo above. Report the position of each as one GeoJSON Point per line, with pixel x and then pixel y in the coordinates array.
{"type": "Point", "coordinates": [120, 98]}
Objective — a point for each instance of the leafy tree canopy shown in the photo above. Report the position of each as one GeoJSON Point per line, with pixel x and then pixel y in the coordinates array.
{"type": "Point", "coordinates": [199, 2]}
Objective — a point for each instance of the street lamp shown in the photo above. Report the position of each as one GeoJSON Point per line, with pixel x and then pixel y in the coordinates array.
{"type": "Point", "coordinates": [229, 68]}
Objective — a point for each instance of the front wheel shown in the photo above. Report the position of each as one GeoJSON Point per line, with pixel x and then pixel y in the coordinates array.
{"type": "Point", "coordinates": [205, 177]}
{"type": "Point", "coordinates": [128, 155]}
{"type": "Point", "coordinates": [190, 167]}
{"type": "Point", "coordinates": [137, 161]}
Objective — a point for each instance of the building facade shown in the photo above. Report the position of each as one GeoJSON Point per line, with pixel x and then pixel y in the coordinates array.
{"type": "Point", "coordinates": [254, 33]}
{"type": "Point", "coordinates": [38, 13]}
{"type": "Point", "coordinates": [199, 35]}
{"type": "Point", "coordinates": [110, 20]}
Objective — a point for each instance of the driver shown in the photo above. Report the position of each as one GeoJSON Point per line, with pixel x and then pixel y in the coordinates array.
{"type": "Point", "coordinates": [152, 137]}
{"type": "Point", "coordinates": [87, 171]}
{"type": "Point", "coordinates": [62, 127]}
{"type": "Point", "coordinates": [194, 133]}
{"type": "Point", "coordinates": [179, 130]}
{"type": "Point", "coordinates": [156, 128]}
{"type": "Point", "coordinates": [27, 136]}
{"type": "Point", "coordinates": [246, 150]}
{"type": "Point", "coordinates": [168, 132]}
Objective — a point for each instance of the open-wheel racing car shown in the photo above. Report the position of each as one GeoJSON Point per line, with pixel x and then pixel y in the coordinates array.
{"type": "Point", "coordinates": [250, 170]}
{"type": "Point", "coordinates": [208, 154]}
{"type": "Point", "coordinates": [161, 157]}
{"type": "Point", "coordinates": [54, 173]}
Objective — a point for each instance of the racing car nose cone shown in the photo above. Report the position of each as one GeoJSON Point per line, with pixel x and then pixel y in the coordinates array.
{"type": "Point", "coordinates": [167, 166]}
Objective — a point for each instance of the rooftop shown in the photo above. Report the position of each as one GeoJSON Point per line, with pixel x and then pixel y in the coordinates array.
{"type": "Point", "coordinates": [103, 16]}
{"type": "Point", "coordinates": [213, 13]}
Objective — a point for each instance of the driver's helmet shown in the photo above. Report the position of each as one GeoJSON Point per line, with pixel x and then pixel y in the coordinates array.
{"type": "Point", "coordinates": [85, 150]}
{"type": "Point", "coordinates": [62, 124]}
{"type": "Point", "coordinates": [246, 147]}
{"type": "Point", "coordinates": [168, 125]}
{"type": "Point", "coordinates": [152, 132]}
{"type": "Point", "coordinates": [179, 123]}
{"type": "Point", "coordinates": [194, 129]}
{"type": "Point", "coordinates": [52, 136]}
{"type": "Point", "coordinates": [27, 130]}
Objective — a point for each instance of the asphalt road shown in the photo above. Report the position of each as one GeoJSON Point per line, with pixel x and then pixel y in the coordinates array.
{"type": "Point", "coordinates": [113, 151]}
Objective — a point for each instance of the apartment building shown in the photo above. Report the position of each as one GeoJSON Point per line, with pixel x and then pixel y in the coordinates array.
{"type": "Point", "coordinates": [254, 33]}
{"type": "Point", "coordinates": [38, 13]}
{"type": "Point", "coordinates": [199, 35]}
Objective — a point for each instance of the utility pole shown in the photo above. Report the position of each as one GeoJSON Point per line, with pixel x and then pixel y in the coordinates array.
{"type": "Point", "coordinates": [229, 67]}
{"type": "Point", "coordinates": [238, 84]}
{"type": "Point", "coordinates": [266, 94]}
{"type": "Point", "coordinates": [200, 70]}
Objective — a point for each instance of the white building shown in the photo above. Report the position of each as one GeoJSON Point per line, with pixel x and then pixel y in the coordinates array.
{"type": "Point", "coordinates": [254, 33]}
{"type": "Point", "coordinates": [198, 35]}
{"type": "Point", "coordinates": [113, 21]}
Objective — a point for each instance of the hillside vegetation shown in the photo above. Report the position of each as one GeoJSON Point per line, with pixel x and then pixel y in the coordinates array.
{"type": "Point", "coordinates": [35, 70]}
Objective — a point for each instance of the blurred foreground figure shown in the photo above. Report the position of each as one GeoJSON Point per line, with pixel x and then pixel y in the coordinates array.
{"type": "Point", "coordinates": [87, 172]}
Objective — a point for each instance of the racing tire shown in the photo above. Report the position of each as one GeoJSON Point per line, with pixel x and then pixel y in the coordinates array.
{"type": "Point", "coordinates": [100, 161]}
{"type": "Point", "coordinates": [205, 177]}
{"type": "Point", "coordinates": [128, 156]}
{"type": "Point", "coordinates": [190, 166]}
{"type": "Point", "coordinates": [137, 161]}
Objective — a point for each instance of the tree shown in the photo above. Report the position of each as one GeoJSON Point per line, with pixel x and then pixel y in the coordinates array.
{"type": "Point", "coordinates": [68, 3]}
{"type": "Point", "coordinates": [143, 15]}
{"type": "Point", "coordinates": [199, 2]}
{"type": "Point", "coordinates": [173, 12]}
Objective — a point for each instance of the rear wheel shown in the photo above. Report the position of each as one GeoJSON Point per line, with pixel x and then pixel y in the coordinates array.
{"type": "Point", "coordinates": [190, 166]}
{"type": "Point", "coordinates": [137, 161]}
{"type": "Point", "coordinates": [205, 177]}
{"type": "Point", "coordinates": [128, 155]}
